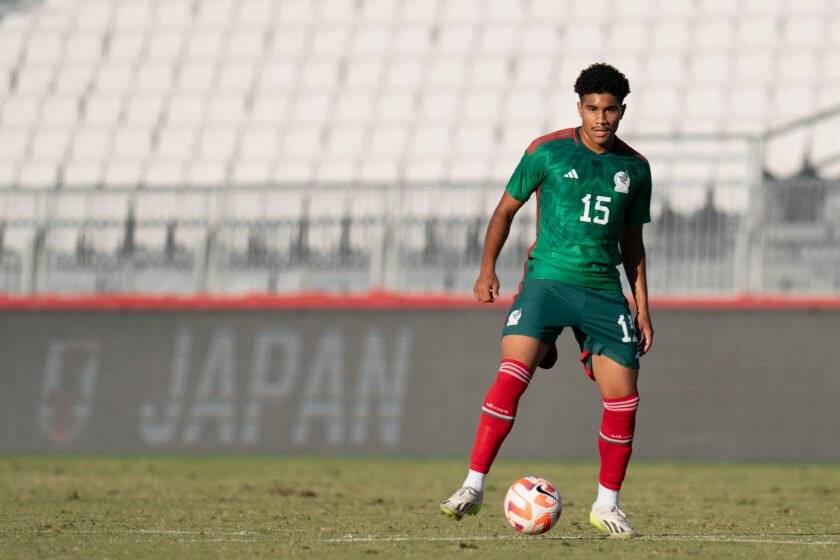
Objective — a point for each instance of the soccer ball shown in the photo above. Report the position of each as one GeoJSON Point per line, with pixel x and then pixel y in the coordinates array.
{"type": "Point", "coordinates": [532, 505]}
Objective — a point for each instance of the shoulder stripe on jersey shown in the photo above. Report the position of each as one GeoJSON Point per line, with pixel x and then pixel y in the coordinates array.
{"type": "Point", "coordinates": [558, 135]}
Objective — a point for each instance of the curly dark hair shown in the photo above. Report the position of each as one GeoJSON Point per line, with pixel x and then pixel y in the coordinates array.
{"type": "Point", "coordinates": [602, 78]}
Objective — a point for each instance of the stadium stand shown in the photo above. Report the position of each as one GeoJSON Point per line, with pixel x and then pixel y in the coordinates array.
{"type": "Point", "coordinates": [212, 95]}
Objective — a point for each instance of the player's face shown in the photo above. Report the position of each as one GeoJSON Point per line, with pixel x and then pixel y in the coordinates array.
{"type": "Point", "coordinates": [600, 114]}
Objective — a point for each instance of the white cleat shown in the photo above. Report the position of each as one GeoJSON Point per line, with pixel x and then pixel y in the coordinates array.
{"type": "Point", "coordinates": [612, 521]}
{"type": "Point", "coordinates": [465, 501]}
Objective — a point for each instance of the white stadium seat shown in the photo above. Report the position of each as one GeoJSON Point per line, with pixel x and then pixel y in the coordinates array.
{"type": "Point", "coordinates": [671, 34]}
{"type": "Point", "coordinates": [255, 13]}
{"type": "Point", "coordinates": [797, 66]}
{"type": "Point", "coordinates": [205, 44]}
{"type": "Point", "coordinates": [329, 42]}
{"type": "Point", "coordinates": [757, 32]}
{"type": "Point", "coordinates": [431, 140]}
{"type": "Point", "coordinates": [378, 170]}
{"type": "Point", "coordinates": [186, 109]}
{"type": "Point", "coordinates": [91, 142]}
{"type": "Point", "coordinates": [245, 43]}
{"type": "Point", "coordinates": [165, 46]}
{"type": "Point", "coordinates": [236, 77]}
{"type": "Point", "coordinates": [295, 12]}
{"type": "Point", "coordinates": [49, 145]}
{"type": "Point", "coordinates": [82, 173]}
{"type": "Point", "coordinates": [252, 172]}
{"type": "Point", "coordinates": [144, 109]}
{"type": "Point", "coordinates": [345, 141]}
{"type": "Point", "coordinates": [336, 171]}
{"type": "Point", "coordinates": [446, 72]}
{"type": "Point", "coordinates": [295, 170]}
{"type": "Point", "coordinates": [73, 79]}
{"type": "Point", "coordinates": [132, 15]}
{"type": "Point", "coordinates": [103, 109]}
{"type": "Point", "coordinates": [215, 12]}
{"type": "Point", "coordinates": [44, 47]}
{"type": "Point", "coordinates": [173, 14]}
{"type": "Point", "coordinates": [499, 39]}
{"type": "Point", "coordinates": [36, 174]}
{"type": "Point", "coordinates": [176, 142]}
{"type": "Point", "coordinates": [474, 141]}
{"type": "Point", "coordinates": [301, 140]}
{"type": "Point", "coordinates": [455, 39]}
{"type": "Point", "coordinates": [260, 142]}
{"type": "Point", "coordinates": [225, 108]}
{"type": "Point", "coordinates": [311, 108]}
{"type": "Point", "coordinates": [396, 107]}
{"type": "Point", "coordinates": [364, 75]}
{"type": "Point", "coordinates": [164, 173]}
{"type": "Point", "coordinates": [404, 74]}
{"type": "Point", "coordinates": [35, 80]}
{"type": "Point", "coordinates": [13, 143]}
{"type": "Point", "coordinates": [21, 111]}
{"type": "Point", "coordinates": [114, 77]}
{"type": "Point", "coordinates": [278, 75]}
{"type": "Point", "coordinates": [370, 41]}
{"type": "Point", "coordinates": [482, 105]}
{"type": "Point", "coordinates": [83, 46]}
{"type": "Point", "coordinates": [133, 142]}
{"type": "Point", "coordinates": [786, 154]}
{"type": "Point", "coordinates": [11, 44]}
{"type": "Point", "coordinates": [153, 77]}
{"type": "Point", "coordinates": [411, 40]}
{"type": "Point", "coordinates": [196, 77]}
{"type": "Point", "coordinates": [206, 173]}
{"type": "Point", "coordinates": [388, 141]}
{"type": "Point", "coordinates": [124, 173]}
{"type": "Point", "coordinates": [288, 41]}
{"type": "Point", "coordinates": [489, 72]}
{"type": "Point", "coordinates": [8, 180]}
{"type": "Point", "coordinates": [126, 46]}
{"type": "Point", "coordinates": [218, 142]}
{"type": "Point", "coordinates": [440, 106]}
{"type": "Point", "coordinates": [353, 108]}
{"type": "Point", "coordinates": [419, 12]}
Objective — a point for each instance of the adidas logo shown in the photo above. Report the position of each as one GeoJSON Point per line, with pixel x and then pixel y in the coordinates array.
{"type": "Point", "coordinates": [572, 174]}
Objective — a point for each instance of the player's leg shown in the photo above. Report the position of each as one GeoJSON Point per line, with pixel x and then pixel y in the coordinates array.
{"type": "Point", "coordinates": [610, 345]}
{"type": "Point", "coordinates": [520, 355]}
{"type": "Point", "coordinates": [618, 386]}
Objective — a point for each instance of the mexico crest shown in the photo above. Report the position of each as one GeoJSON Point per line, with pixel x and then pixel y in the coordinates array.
{"type": "Point", "coordinates": [622, 182]}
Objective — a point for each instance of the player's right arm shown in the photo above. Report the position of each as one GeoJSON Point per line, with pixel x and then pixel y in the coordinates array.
{"type": "Point", "coordinates": [527, 176]}
{"type": "Point", "coordinates": [486, 288]}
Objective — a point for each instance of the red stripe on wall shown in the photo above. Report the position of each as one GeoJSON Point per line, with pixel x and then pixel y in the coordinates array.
{"type": "Point", "coordinates": [368, 301]}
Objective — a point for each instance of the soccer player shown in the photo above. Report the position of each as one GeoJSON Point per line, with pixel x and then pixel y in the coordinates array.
{"type": "Point", "coordinates": [593, 196]}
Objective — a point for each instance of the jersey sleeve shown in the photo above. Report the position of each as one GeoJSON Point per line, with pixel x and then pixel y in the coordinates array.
{"type": "Point", "coordinates": [527, 176]}
{"type": "Point", "coordinates": [638, 212]}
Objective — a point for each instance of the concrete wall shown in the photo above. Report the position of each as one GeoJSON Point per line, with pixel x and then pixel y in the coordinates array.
{"type": "Point", "coordinates": [717, 385]}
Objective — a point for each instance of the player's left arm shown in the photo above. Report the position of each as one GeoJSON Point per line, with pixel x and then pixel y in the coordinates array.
{"type": "Point", "coordinates": [633, 257]}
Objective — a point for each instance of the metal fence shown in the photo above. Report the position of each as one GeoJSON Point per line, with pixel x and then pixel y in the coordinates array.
{"type": "Point", "coordinates": [739, 233]}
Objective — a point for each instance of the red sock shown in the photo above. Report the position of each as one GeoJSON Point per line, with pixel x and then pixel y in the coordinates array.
{"type": "Point", "coordinates": [616, 439]}
{"type": "Point", "coordinates": [498, 413]}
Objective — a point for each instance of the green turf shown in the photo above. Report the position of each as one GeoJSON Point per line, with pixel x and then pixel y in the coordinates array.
{"type": "Point", "coordinates": [233, 507]}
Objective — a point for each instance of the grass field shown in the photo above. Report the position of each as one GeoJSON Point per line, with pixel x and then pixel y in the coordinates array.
{"type": "Point", "coordinates": [232, 507]}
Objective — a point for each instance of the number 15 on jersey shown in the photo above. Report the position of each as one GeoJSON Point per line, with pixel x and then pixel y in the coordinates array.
{"type": "Point", "coordinates": [603, 212]}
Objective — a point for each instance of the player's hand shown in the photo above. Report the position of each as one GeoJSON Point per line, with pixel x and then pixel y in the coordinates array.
{"type": "Point", "coordinates": [644, 331]}
{"type": "Point", "coordinates": [486, 288]}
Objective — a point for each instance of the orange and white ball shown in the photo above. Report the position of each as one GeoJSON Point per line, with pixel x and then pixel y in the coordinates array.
{"type": "Point", "coordinates": [533, 505]}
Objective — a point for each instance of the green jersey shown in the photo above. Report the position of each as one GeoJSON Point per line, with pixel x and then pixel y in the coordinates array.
{"type": "Point", "coordinates": [584, 202]}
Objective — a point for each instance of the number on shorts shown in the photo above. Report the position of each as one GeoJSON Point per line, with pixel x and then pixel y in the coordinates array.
{"type": "Point", "coordinates": [627, 327]}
